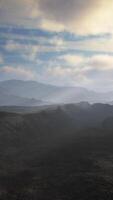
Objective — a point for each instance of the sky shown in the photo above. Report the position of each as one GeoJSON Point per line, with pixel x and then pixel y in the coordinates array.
{"type": "Point", "coordinates": [60, 42]}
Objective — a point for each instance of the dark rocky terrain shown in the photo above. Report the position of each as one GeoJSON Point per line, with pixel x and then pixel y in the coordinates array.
{"type": "Point", "coordinates": [62, 153]}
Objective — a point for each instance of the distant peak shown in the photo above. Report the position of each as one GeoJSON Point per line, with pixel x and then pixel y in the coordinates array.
{"type": "Point", "coordinates": [84, 104]}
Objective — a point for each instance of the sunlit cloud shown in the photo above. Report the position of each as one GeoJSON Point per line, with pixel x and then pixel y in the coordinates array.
{"type": "Point", "coordinates": [101, 62]}
{"type": "Point", "coordinates": [73, 60]}
{"type": "Point", "coordinates": [82, 17]}
{"type": "Point", "coordinates": [18, 72]}
{"type": "Point", "coordinates": [89, 72]}
{"type": "Point", "coordinates": [78, 16]}
{"type": "Point", "coordinates": [51, 25]}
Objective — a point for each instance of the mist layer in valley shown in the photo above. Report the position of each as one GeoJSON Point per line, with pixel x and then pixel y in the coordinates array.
{"type": "Point", "coordinates": [31, 93]}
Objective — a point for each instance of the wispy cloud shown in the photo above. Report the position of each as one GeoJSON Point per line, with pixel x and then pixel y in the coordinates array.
{"type": "Point", "coordinates": [66, 42]}
{"type": "Point", "coordinates": [1, 59]}
{"type": "Point", "coordinates": [91, 72]}
{"type": "Point", "coordinates": [73, 60]}
{"type": "Point", "coordinates": [17, 72]}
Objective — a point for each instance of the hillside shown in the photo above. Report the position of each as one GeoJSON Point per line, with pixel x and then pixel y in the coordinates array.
{"type": "Point", "coordinates": [46, 156]}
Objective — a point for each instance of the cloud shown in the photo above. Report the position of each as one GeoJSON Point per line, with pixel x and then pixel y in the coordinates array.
{"type": "Point", "coordinates": [17, 12]}
{"type": "Point", "coordinates": [59, 71]}
{"type": "Point", "coordinates": [57, 41]}
{"type": "Point", "coordinates": [51, 25]}
{"type": "Point", "coordinates": [1, 59]}
{"type": "Point", "coordinates": [72, 60]}
{"type": "Point", "coordinates": [101, 62]}
{"type": "Point", "coordinates": [82, 17]}
{"type": "Point", "coordinates": [91, 72]}
{"type": "Point", "coordinates": [17, 72]}
{"type": "Point", "coordinates": [28, 51]}
{"type": "Point", "coordinates": [99, 44]}
{"type": "Point", "coordinates": [13, 46]}
{"type": "Point", "coordinates": [78, 16]}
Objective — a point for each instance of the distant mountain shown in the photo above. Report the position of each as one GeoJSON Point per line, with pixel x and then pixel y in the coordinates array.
{"type": "Point", "coordinates": [28, 89]}
{"type": "Point", "coordinates": [52, 94]}
{"type": "Point", "coordinates": [33, 91]}
{"type": "Point", "coordinates": [7, 99]}
{"type": "Point", "coordinates": [110, 102]}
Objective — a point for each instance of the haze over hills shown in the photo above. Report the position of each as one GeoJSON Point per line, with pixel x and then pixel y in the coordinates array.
{"type": "Point", "coordinates": [28, 89]}
{"type": "Point", "coordinates": [7, 99]}
{"type": "Point", "coordinates": [47, 93]}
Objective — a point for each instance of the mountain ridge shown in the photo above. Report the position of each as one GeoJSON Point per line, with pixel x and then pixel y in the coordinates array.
{"type": "Point", "coordinates": [51, 93]}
